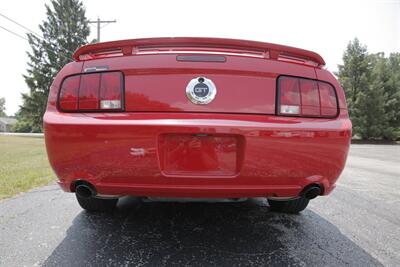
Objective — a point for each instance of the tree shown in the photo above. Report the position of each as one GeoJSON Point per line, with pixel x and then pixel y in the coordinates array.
{"type": "Point", "coordinates": [2, 107]}
{"type": "Point", "coordinates": [353, 76]}
{"type": "Point", "coordinates": [392, 90]}
{"type": "Point", "coordinates": [368, 112]}
{"type": "Point", "coordinates": [65, 29]}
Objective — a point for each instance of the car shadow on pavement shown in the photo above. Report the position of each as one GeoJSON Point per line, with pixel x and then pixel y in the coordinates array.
{"type": "Point", "coordinates": [204, 234]}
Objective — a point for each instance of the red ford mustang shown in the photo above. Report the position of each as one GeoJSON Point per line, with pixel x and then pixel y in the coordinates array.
{"type": "Point", "coordinates": [197, 118]}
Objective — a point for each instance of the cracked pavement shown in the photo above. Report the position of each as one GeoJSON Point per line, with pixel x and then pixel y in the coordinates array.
{"type": "Point", "coordinates": [358, 224]}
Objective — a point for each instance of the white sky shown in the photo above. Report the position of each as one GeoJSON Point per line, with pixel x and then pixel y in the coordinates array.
{"type": "Point", "coordinates": [322, 26]}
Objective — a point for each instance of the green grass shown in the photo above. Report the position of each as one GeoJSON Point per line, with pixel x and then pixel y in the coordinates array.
{"type": "Point", "coordinates": [23, 165]}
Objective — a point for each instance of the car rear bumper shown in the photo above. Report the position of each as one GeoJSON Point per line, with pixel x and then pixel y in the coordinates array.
{"type": "Point", "coordinates": [196, 155]}
{"type": "Point", "coordinates": [202, 191]}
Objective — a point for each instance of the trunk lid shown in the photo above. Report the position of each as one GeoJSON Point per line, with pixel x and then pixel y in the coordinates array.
{"type": "Point", "coordinates": [165, 90]}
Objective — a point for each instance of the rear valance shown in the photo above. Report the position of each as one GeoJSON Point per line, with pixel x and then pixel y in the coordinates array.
{"type": "Point", "coordinates": [198, 45]}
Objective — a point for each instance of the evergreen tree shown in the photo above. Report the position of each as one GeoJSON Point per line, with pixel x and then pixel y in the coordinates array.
{"type": "Point", "coordinates": [2, 107]}
{"type": "Point", "coordinates": [369, 112]}
{"type": "Point", "coordinates": [392, 90]}
{"type": "Point", "coordinates": [353, 76]}
{"type": "Point", "coordinates": [65, 29]}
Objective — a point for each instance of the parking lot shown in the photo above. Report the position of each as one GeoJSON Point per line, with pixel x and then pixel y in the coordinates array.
{"type": "Point", "coordinates": [358, 224]}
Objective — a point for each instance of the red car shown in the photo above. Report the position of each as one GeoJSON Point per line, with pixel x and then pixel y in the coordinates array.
{"type": "Point", "coordinates": [197, 118]}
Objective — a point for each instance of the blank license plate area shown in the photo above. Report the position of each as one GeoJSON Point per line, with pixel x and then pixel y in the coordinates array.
{"type": "Point", "coordinates": [198, 155]}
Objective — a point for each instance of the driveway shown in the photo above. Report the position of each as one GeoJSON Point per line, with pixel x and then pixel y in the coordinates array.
{"type": "Point", "coordinates": [358, 224]}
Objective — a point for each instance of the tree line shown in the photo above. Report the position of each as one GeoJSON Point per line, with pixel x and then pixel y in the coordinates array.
{"type": "Point", "coordinates": [371, 81]}
{"type": "Point", "coordinates": [372, 86]}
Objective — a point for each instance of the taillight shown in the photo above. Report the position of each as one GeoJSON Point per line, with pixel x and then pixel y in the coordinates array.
{"type": "Point", "coordinates": [110, 91]}
{"type": "Point", "coordinates": [328, 99]}
{"type": "Point", "coordinates": [309, 98]}
{"type": "Point", "coordinates": [289, 96]}
{"type": "Point", "coordinates": [89, 92]}
{"type": "Point", "coordinates": [69, 93]}
{"type": "Point", "coordinates": [92, 92]}
{"type": "Point", "coordinates": [306, 98]}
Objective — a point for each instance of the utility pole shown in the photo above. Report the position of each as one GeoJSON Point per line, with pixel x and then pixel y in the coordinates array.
{"type": "Point", "coordinates": [98, 22]}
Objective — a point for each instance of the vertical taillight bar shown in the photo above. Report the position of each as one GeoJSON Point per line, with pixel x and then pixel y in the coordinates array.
{"type": "Point", "coordinates": [310, 105]}
{"type": "Point", "coordinates": [289, 96]}
{"type": "Point", "coordinates": [68, 97]}
{"type": "Point", "coordinates": [329, 103]}
{"type": "Point", "coordinates": [111, 90]}
{"type": "Point", "coordinates": [89, 92]}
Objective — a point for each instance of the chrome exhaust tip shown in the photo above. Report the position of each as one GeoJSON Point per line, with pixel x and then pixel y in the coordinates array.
{"type": "Point", "coordinates": [85, 191]}
{"type": "Point", "coordinates": [312, 192]}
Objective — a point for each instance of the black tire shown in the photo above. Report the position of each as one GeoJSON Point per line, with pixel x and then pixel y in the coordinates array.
{"type": "Point", "coordinates": [92, 204]}
{"type": "Point", "coordinates": [289, 206]}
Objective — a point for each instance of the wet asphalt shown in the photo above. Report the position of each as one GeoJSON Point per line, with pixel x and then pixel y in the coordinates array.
{"type": "Point", "coordinates": [357, 225]}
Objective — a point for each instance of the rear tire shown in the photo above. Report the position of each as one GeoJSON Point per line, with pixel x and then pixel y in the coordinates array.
{"type": "Point", "coordinates": [92, 204]}
{"type": "Point", "coordinates": [289, 206]}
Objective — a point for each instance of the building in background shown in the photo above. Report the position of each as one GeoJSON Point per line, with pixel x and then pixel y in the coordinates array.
{"type": "Point", "coordinates": [6, 124]}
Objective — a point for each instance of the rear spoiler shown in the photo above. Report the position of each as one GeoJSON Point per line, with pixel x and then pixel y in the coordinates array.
{"type": "Point", "coordinates": [193, 44]}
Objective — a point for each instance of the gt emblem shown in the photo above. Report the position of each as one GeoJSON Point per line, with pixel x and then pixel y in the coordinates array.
{"type": "Point", "coordinates": [201, 90]}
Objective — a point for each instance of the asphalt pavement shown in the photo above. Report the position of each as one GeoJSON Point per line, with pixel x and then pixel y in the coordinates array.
{"type": "Point", "coordinates": [357, 225]}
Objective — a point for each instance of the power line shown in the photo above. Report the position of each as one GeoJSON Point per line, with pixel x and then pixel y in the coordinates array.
{"type": "Point", "coordinates": [22, 26]}
{"type": "Point", "coordinates": [105, 25]}
{"type": "Point", "coordinates": [16, 34]}
{"type": "Point", "coordinates": [26, 39]}
{"type": "Point", "coordinates": [37, 35]}
{"type": "Point", "coordinates": [98, 22]}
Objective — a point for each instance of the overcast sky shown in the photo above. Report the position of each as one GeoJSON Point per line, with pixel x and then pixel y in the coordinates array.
{"type": "Point", "coordinates": [322, 26]}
